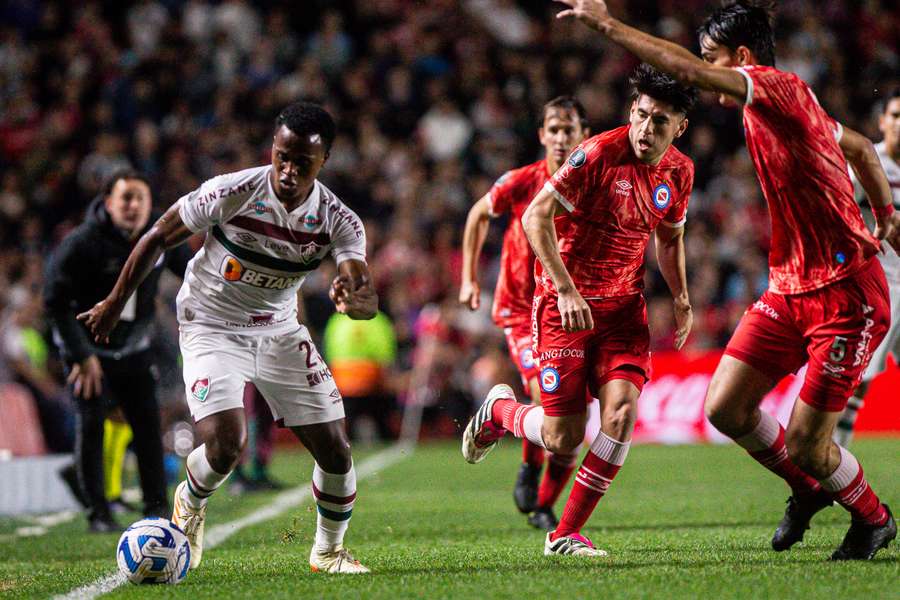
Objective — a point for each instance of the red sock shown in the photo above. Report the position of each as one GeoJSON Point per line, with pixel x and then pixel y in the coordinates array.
{"type": "Point", "coordinates": [559, 470]}
{"type": "Point", "coordinates": [532, 454]}
{"type": "Point", "coordinates": [766, 445]}
{"type": "Point", "coordinates": [597, 471]}
{"type": "Point", "coordinates": [502, 407]}
{"type": "Point", "coordinates": [851, 490]}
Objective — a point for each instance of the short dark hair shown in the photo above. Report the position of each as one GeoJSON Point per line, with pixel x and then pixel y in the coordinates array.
{"type": "Point", "coordinates": [308, 118]}
{"type": "Point", "coordinates": [659, 86]}
{"type": "Point", "coordinates": [749, 23]}
{"type": "Point", "coordinates": [126, 173]}
{"type": "Point", "coordinates": [567, 103]}
{"type": "Point", "coordinates": [891, 95]}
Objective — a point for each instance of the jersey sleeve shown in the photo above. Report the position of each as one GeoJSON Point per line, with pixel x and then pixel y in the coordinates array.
{"type": "Point", "coordinates": [348, 237]}
{"type": "Point", "coordinates": [676, 216]}
{"type": "Point", "coordinates": [571, 184]}
{"type": "Point", "coordinates": [215, 201]}
{"type": "Point", "coordinates": [500, 195]}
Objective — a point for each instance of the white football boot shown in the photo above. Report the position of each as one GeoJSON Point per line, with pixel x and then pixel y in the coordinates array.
{"type": "Point", "coordinates": [191, 522]}
{"type": "Point", "coordinates": [481, 435]}
{"type": "Point", "coordinates": [337, 561]}
{"type": "Point", "coordinates": [572, 545]}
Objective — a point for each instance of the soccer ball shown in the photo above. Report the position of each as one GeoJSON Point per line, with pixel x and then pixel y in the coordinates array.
{"type": "Point", "coordinates": [153, 550]}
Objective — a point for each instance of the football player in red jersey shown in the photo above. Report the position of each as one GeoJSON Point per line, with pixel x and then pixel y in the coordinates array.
{"type": "Point", "coordinates": [589, 226]}
{"type": "Point", "coordinates": [563, 126]}
{"type": "Point", "coordinates": [827, 303]}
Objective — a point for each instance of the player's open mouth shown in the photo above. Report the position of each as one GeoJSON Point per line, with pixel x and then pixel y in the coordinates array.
{"type": "Point", "coordinates": [288, 184]}
{"type": "Point", "coordinates": [644, 144]}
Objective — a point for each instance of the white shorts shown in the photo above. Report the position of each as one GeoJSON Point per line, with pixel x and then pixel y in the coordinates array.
{"type": "Point", "coordinates": [891, 342]}
{"type": "Point", "coordinates": [286, 369]}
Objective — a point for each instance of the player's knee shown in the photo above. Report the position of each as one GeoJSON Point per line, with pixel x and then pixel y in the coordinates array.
{"type": "Point", "coordinates": [619, 417]}
{"type": "Point", "coordinates": [225, 451]}
{"type": "Point", "coordinates": [722, 416]}
{"type": "Point", "coordinates": [564, 439]}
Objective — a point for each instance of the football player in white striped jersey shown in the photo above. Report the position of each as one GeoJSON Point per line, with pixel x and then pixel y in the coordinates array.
{"type": "Point", "coordinates": [267, 227]}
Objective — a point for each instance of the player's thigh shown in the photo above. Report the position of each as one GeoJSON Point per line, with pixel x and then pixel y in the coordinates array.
{"type": "Point", "coordinates": [766, 346]}
{"type": "Point", "coordinates": [847, 321]}
{"type": "Point", "coordinates": [216, 367]}
{"type": "Point", "coordinates": [562, 361]}
{"type": "Point", "coordinates": [620, 347]}
{"type": "Point", "coordinates": [296, 382]}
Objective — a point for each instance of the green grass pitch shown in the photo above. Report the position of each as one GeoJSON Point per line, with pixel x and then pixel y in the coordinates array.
{"type": "Point", "coordinates": [679, 522]}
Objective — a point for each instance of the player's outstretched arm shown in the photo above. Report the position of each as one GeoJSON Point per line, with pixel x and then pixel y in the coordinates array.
{"type": "Point", "coordinates": [860, 153]}
{"type": "Point", "coordinates": [664, 55]}
{"type": "Point", "coordinates": [167, 232]}
{"type": "Point", "coordinates": [477, 223]}
{"type": "Point", "coordinates": [352, 291]}
{"type": "Point", "coordinates": [670, 256]}
{"type": "Point", "coordinates": [541, 233]}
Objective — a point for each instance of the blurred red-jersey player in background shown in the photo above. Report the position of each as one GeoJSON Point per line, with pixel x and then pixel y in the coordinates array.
{"type": "Point", "coordinates": [564, 126]}
{"type": "Point", "coordinates": [589, 227]}
{"type": "Point", "coordinates": [827, 303]}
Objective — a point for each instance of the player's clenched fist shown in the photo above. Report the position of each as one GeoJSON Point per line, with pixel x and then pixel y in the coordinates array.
{"type": "Point", "coordinates": [575, 312]}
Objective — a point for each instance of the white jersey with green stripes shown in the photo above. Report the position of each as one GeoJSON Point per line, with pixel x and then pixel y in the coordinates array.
{"type": "Point", "coordinates": [256, 255]}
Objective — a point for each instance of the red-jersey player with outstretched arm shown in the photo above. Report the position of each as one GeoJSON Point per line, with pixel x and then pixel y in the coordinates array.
{"type": "Point", "coordinates": [827, 303]}
{"type": "Point", "coordinates": [563, 126]}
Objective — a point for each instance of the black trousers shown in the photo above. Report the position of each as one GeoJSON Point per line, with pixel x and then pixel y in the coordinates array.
{"type": "Point", "coordinates": [129, 383]}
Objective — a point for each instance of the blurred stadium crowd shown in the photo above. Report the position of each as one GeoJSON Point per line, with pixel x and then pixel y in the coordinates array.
{"type": "Point", "coordinates": [434, 100]}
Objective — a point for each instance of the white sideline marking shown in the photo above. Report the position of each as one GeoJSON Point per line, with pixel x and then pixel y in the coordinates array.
{"type": "Point", "coordinates": [219, 533]}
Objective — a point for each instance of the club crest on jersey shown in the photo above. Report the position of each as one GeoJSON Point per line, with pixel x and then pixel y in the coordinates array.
{"type": "Point", "coordinates": [200, 389]}
{"type": "Point", "coordinates": [577, 158]}
{"type": "Point", "coordinates": [526, 358]}
{"type": "Point", "coordinates": [311, 221]}
{"type": "Point", "coordinates": [662, 196]}
{"type": "Point", "coordinates": [309, 251]}
{"type": "Point", "coordinates": [549, 379]}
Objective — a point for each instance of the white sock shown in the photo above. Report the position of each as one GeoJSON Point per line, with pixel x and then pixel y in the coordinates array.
{"type": "Point", "coordinates": [335, 496]}
{"type": "Point", "coordinates": [531, 426]}
{"type": "Point", "coordinates": [202, 479]}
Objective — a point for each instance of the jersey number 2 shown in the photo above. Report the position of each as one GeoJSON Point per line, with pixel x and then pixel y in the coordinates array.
{"type": "Point", "coordinates": [310, 361]}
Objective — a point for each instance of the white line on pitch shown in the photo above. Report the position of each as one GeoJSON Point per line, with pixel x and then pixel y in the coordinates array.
{"type": "Point", "coordinates": [219, 533]}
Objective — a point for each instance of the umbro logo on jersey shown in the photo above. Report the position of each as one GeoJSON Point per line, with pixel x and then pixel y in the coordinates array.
{"type": "Point", "coordinates": [623, 187]}
{"type": "Point", "coordinates": [245, 237]}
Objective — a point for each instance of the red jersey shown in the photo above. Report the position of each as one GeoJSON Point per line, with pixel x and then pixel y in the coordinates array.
{"type": "Point", "coordinates": [818, 234]}
{"type": "Point", "coordinates": [615, 201]}
{"type": "Point", "coordinates": [512, 194]}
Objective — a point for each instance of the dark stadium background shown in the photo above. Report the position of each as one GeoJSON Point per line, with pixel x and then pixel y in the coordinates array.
{"type": "Point", "coordinates": [434, 100]}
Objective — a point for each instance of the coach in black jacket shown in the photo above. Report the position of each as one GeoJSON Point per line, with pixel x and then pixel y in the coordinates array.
{"type": "Point", "coordinates": [81, 272]}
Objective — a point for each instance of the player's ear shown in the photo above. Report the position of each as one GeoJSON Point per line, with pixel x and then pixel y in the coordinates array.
{"type": "Point", "coordinates": [682, 127]}
{"type": "Point", "coordinates": [744, 56]}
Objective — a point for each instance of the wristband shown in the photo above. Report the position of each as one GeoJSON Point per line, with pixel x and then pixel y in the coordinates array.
{"type": "Point", "coordinates": [882, 212]}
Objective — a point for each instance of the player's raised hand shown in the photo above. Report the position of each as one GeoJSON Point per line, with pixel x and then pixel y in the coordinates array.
{"type": "Point", "coordinates": [592, 13]}
{"type": "Point", "coordinates": [101, 319]}
{"type": "Point", "coordinates": [470, 295]}
{"type": "Point", "coordinates": [684, 320]}
{"type": "Point", "coordinates": [575, 312]}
